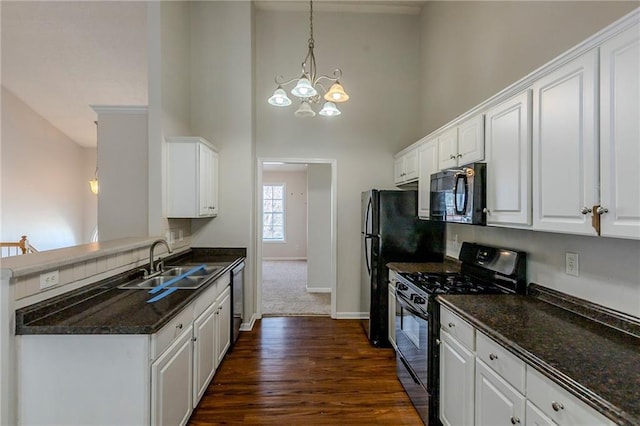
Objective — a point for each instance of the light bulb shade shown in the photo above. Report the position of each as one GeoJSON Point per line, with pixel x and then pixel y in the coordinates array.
{"type": "Point", "coordinates": [305, 110]}
{"type": "Point", "coordinates": [329, 110]}
{"type": "Point", "coordinates": [336, 93]}
{"type": "Point", "coordinates": [279, 98]}
{"type": "Point", "coordinates": [304, 89]}
{"type": "Point", "coordinates": [93, 185]}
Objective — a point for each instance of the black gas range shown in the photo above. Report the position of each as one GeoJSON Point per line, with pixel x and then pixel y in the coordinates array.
{"type": "Point", "coordinates": [483, 270]}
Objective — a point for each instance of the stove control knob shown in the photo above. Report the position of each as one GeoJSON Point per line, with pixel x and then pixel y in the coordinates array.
{"type": "Point", "coordinates": [402, 287]}
{"type": "Point", "coordinates": [419, 300]}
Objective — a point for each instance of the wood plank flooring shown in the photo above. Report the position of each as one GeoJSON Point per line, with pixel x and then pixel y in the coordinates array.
{"type": "Point", "coordinates": [306, 371]}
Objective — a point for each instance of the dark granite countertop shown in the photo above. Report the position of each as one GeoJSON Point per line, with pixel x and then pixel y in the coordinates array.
{"type": "Point", "coordinates": [448, 265]}
{"type": "Point", "coordinates": [102, 308]}
{"type": "Point", "coordinates": [594, 361]}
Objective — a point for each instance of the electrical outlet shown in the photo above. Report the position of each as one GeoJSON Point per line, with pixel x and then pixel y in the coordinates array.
{"type": "Point", "coordinates": [49, 279]}
{"type": "Point", "coordinates": [571, 264]}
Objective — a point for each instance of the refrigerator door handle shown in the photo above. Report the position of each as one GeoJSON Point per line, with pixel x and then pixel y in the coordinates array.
{"type": "Point", "coordinates": [366, 251]}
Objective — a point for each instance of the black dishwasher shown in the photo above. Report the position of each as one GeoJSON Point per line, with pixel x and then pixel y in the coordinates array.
{"type": "Point", "coordinates": [237, 300]}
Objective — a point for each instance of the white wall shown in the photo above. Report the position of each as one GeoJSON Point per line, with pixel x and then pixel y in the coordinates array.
{"type": "Point", "coordinates": [123, 163]}
{"type": "Point", "coordinates": [472, 50]}
{"type": "Point", "coordinates": [319, 220]}
{"type": "Point", "coordinates": [295, 244]}
{"type": "Point", "coordinates": [379, 57]}
{"type": "Point", "coordinates": [44, 183]}
{"type": "Point", "coordinates": [221, 108]}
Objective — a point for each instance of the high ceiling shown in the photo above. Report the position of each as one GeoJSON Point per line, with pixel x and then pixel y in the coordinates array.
{"type": "Point", "coordinates": [62, 57]}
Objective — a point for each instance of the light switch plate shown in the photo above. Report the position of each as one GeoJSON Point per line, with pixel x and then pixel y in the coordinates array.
{"type": "Point", "coordinates": [49, 279]}
{"type": "Point", "coordinates": [571, 264]}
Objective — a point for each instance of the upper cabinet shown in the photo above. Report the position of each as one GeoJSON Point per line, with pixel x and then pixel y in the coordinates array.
{"type": "Point", "coordinates": [462, 144]}
{"type": "Point", "coordinates": [508, 158]}
{"type": "Point", "coordinates": [405, 167]}
{"type": "Point", "coordinates": [620, 135]}
{"type": "Point", "coordinates": [192, 178]}
{"type": "Point", "coordinates": [565, 121]}
{"type": "Point", "coordinates": [427, 165]}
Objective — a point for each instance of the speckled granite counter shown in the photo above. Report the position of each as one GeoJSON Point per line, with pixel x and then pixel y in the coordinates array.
{"type": "Point", "coordinates": [448, 265]}
{"type": "Point", "coordinates": [102, 308]}
{"type": "Point", "coordinates": [594, 361]}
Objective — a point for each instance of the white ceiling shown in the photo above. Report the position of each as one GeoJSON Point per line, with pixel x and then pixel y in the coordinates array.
{"type": "Point", "coordinates": [62, 57]}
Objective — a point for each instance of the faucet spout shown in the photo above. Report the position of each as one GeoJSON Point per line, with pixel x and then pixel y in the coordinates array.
{"type": "Point", "coordinates": [156, 269]}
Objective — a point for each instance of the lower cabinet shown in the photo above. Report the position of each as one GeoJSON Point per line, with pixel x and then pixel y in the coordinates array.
{"type": "Point", "coordinates": [126, 379]}
{"type": "Point", "coordinates": [482, 383]}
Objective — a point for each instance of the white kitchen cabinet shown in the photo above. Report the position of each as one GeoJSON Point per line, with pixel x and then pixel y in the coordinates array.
{"type": "Point", "coordinates": [204, 352]}
{"type": "Point", "coordinates": [620, 135]}
{"type": "Point", "coordinates": [462, 144]}
{"type": "Point", "coordinates": [496, 401]}
{"type": "Point", "coordinates": [405, 167]}
{"type": "Point", "coordinates": [391, 309]}
{"type": "Point", "coordinates": [565, 156]}
{"type": "Point", "coordinates": [457, 382]}
{"type": "Point", "coordinates": [223, 324]}
{"type": "Point", "coordinates": [535, 417]}
{"type": "Point", "coordinates": [427, 165]}
{"type": "Point", "coordinates": [191, 178]}
{"type": "Point", "coordinates": [508, 158]}
{"type": "Point", "coordinates": [171, 383]}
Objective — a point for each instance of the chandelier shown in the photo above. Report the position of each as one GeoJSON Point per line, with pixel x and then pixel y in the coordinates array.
{"type": "Point", "coordinates": [308, 85]}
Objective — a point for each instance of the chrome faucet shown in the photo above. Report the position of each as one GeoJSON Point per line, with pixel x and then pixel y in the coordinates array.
{"type": "Point", "coordinates": [155, 270]}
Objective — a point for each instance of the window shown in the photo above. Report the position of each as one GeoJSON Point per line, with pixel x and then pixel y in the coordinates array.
{"type": "Point", "coordinates": [273, 212]}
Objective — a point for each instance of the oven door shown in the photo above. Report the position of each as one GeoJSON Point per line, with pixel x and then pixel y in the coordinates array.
{"type": "Point", "coordinates": [412, 340]}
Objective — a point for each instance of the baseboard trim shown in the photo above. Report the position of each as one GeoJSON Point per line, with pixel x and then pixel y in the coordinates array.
{"type": "Point", "coordinates": [352, 315]}
{"type": "Point", "coordinates": [248, 326]}
{"type": "Point", "coordinates": [283, 258]}
{"type": "Point", "coordinates": [318, 290]}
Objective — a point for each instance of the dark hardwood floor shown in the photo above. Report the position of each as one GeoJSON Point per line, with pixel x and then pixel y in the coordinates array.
{"type": "Point", "coordinates": [306, 371]}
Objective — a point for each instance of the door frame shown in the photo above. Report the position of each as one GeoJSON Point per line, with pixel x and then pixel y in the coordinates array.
{"type": "Point", "coordinates": [258, 223]}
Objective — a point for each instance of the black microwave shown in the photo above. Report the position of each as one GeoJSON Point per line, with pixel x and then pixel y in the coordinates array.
{"type": "Point", "coordinates": [459, 195]}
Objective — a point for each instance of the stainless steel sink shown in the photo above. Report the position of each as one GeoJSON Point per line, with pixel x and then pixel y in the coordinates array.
{"type": "Point", "coordinates": [173, 271]}
{"type": "Point", "coordinates": [185, 283]}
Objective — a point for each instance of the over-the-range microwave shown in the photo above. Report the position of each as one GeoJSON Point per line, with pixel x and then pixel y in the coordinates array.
{"type": "Point", "coordinates": [459, 195]}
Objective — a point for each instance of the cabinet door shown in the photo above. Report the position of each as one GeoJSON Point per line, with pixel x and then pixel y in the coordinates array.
{"type": "Point", "coordinates": [223, 327]}
{"type": "Point", "coordinates": [428, 164]}
{"type": "Point", "coordinates": [508, 156]}
{"type": "Point", "coordinates": [172, 383]}
{"type": "Point", "coordinates": [411, 165]}
{"type": "Point", "coordinates": [496, 402]}
{"type": "Point", "coordinates": [619, 135]}
{"type": "Point", "coordinates": [204, 355]}
{"type": "Point", "coordinates": [456, 382]}
{"type": "Point", "coordinates": [398, 170]}
{"type": "Point", "coordinates": [391, 304]}
{"type": "Point", "coordinates": [207, 184]}
{"type": "Point", "coordinates": [564, 147]}
{"type": "Point", "coordinates": [448, 149]}
{"type": "Point", "coordinates": [471, 141]}
{"type": "Point", "coordinates": [535, 417]}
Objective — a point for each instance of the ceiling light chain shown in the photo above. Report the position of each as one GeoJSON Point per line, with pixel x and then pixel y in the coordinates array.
{"type": "Point", "coordinates": [308, 85]}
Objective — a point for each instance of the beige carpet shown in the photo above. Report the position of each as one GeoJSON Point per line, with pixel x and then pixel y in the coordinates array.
{"type": "Point", "coordinates": [284, 290]}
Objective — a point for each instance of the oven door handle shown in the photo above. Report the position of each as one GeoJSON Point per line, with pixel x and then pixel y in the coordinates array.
{"type": "Point", "coordinates": [460, 177]}
{"type": "Point", "coordinates": [409, 370]}
{"type": "Point", "coordinates": [406, 305]}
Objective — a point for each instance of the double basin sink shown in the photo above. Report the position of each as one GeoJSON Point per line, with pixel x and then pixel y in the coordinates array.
{"type": "Point", "coordinates": [188, 277]}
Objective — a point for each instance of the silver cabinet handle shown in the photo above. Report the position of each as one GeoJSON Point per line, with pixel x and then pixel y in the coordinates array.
{"type": "Point", "coordinates": [515, 420]}
{"type": "Point", "coordinates": [179, 326]}
{"type": "Point", "coordinates": [459, 155]}
{"type": "Point", "coordinates": [194, 339]}
{"type": "Point", "coordinates": [586, 210]}
{"type": "Point", "coordinates": [602, 210]}
{"type": "Point", "coordinates": [557, 406]}
{"type": "Point", "coordinates": [486, 210]}
{"type": "Point", "coordinates": [451, 325]}
{"type": "Point", "coordinates": [493, 356]}
{"type": "Point", "coordinates": [452, 157]}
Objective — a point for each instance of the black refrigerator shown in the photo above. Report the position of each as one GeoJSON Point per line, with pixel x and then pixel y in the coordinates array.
{"type": "Point", "coordinates": [391, 232]}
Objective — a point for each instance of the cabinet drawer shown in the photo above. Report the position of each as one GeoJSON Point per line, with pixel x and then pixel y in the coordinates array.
{"type": "Point", "coordinates": [457, 327]}
{"type": "Point", "coordinates": [167, 334]}
{"type": "Point", "coordinates": [503, 362]}
{"type": "Point", "coordinates": [558, 404]}
{"type": "Point", "coordinates": [207, 298]}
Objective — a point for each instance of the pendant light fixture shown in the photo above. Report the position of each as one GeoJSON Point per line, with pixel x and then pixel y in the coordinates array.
{"type": "Point", "coordinates": [308, 86]}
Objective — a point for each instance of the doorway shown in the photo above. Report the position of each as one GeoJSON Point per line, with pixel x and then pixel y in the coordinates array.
{"type": "Point", "coordinates": [296, 241]}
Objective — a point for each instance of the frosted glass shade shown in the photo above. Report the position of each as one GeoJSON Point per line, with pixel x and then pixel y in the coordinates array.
{"type": "Point", "coordinates": [336, 93]}
{"type": "Point", "coordinates": [93, 186]}
{"type": "Point", "coordinates": [279, 98]}
{"type": "Point", "coordinates": [305, 110]}
{"type": "Point", "coordinates": [304, 89]}
{"type": "Point", "coordinates": [329, 110]}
